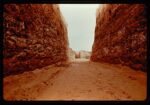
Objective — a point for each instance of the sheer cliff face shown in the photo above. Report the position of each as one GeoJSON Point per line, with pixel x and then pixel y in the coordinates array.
{"type": "Point", "coordinates": [35, 35]}
{"type": "Point", "coordinates": [120, 35]}
{"type": "Point", "coordinates": [71, 54]}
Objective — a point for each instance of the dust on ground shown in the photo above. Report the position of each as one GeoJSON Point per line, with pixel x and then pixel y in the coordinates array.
{"type": "Point", "coordinates": [82, 80]}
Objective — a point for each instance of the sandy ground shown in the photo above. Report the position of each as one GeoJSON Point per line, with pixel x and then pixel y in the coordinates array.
{"type": "Point", "coordinates": [82, 80]}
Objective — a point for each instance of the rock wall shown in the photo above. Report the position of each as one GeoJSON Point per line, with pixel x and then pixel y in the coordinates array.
{"type": "Point", "coordinates": [71, 54]}
{"type": "Point", "coordinates": [120, 35]}
{"type": "Point", "coordinates": [35, 35]}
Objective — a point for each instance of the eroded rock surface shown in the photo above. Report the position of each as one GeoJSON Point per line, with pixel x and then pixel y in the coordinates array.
{"type": "Point", "coordinates": [35, 35]}
{"type": "Point", "coordinates": [120, 35]}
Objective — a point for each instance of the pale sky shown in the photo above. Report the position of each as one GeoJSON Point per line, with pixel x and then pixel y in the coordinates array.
{"type": "Point", "coordinates": [81, 20]}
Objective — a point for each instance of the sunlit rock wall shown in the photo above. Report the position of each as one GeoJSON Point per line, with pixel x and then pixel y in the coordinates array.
{"type": "Point", "coordinates": [35, 35]}
{"type": "Point", "coordinates": [121, 35]}
{"type": "Point", "coordinates": [71, 54]}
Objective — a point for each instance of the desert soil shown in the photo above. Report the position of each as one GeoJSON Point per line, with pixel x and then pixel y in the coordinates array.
{"type": "Point", "coordinates": [82, 80]}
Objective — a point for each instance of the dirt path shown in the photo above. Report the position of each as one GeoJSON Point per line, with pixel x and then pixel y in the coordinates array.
{"type": "Point", "coordinates": [82, 80]}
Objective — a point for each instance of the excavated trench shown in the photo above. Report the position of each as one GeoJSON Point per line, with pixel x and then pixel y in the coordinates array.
{"type": "Point", "coordinates": [36, 50]}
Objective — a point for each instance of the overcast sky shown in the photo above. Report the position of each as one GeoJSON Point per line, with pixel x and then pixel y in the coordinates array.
{"type": "Point", "coordinates": [81, 20]}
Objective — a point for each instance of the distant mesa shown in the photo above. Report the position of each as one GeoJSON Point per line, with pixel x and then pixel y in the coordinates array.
{"type": "Point", "coordinates": [82, 54]}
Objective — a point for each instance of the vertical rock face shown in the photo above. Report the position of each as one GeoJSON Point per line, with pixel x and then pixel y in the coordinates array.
{"type": "Point", "coordinates": [35, 35]}
{"type": "Point", "coordinates": [120, 35]}
{"type": "Point", "coordinates": [71, 54]}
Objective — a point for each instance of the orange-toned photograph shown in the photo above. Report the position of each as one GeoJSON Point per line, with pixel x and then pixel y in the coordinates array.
{"type": "Point", "coordinates": [95, 52]}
